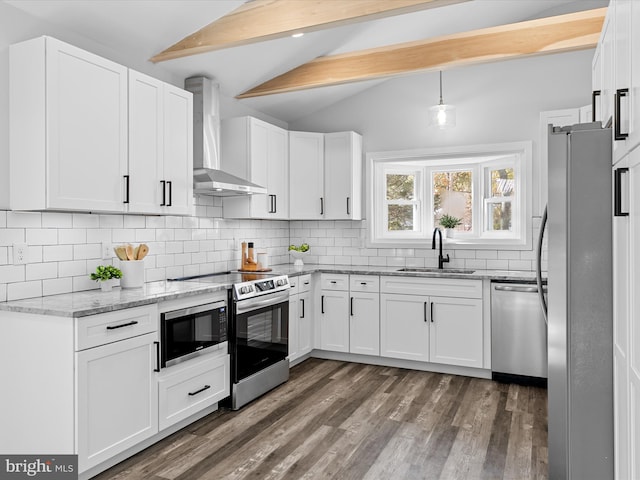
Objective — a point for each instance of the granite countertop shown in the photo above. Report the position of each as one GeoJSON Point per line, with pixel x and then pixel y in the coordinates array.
{"type": "Point", "coordinates": [91, 302]}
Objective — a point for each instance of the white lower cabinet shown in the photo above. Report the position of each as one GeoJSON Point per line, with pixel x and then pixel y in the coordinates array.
{"type": "Point", "coordinates": [364, 325]}
{"type": "Point", "coordinates": [334, 321]}
{"type": "Point", "coordinates": [186, 389]}
{"type": "Point", "coordinates": [117, 398]}
{"type": "Point", "coordinates": [432, 328]}
{"type": "Point", "coordinates": [300, 317]}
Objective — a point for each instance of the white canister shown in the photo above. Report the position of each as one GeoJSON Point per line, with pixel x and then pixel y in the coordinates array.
{"type": "Point", "coordinates": [263, 260]}
{"type": "Point", "coordinates": [132, 273]}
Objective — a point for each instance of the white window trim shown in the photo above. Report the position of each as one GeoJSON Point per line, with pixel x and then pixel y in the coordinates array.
{"type": "Point", "coordinates": [374, 160]}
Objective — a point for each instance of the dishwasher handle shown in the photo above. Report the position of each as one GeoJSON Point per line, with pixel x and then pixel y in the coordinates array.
{"type": "Point", "coordinates": [518, 289]}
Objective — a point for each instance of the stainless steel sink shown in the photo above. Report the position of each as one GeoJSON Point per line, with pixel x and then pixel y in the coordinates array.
{"type": "Point", "coordinates": [435, 270]}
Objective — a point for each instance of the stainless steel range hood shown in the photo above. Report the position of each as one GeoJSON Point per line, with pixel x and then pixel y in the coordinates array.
{"type": "Point", "coordinates": [208, 179]}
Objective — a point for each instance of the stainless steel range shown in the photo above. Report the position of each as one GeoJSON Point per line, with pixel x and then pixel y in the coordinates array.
{"type": "Point", "coordinates": [258, 331]}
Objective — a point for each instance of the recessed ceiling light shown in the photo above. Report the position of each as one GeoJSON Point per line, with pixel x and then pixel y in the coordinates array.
{"type": "Point", "coordinates": [297, 35]}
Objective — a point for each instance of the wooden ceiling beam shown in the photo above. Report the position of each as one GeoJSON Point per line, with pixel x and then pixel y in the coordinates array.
{"type": "Point", "coordinates": [260, 20]}
{"type": "Point", "coordinates": [575, 31]}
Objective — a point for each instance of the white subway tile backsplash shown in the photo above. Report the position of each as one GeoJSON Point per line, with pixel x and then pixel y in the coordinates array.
{"type": "Point", "coordinates": [154, 222]}
{"type": "Point", "coordinates": [85, 220]}
{"type": "Point", "coordinates": [72, 236]}
{"type": "Point", "coordinates": [134, 221]}
{"type": "Point", "coordinates": [111, 221]}
{"type": "Point", "coordinates": [3, 292]}
{"type": "Point", "coordinates": [42, 236]}
{"type": "Point", "coordinates": [87, 251]}
{"type": "Point", "coordinates": [72, 268]}
{"type": "Point", "coordinates": [24, 220]}
{"type": "Point", "coordinates": [520, 265]}
{"type": "Point", "coordinates": [40, 271]}
{"type": "Point", "coordinates": [98, 235]}
{"type": "Point", "coordinates": [12, 273]}
{"type": "Point", "coordinates": [34, 254]}
{"type": "Point", "coordinates": [123, 235]}
{"type": "Point", "coordinates": [4, 255]}
{"type": "Point", "coordinates": [3, 221]}
{"type": "Point", "coordinates": [498, 264]}
{"type": "Point", "coordinates": [83, 283]}
{"type": "Point", "coordinates": [56, 286]}
{"type": "Point", "coordinates": [508, 255]}
{"type": "Point", "coordinates": [57, 220]}
{"type": "Point", "coordinates": [9, 236]}
{"type": "Point", "coordinates": [57, 253]}
{"type": "Point", "coordinates": [145, 235]}
{"type": "Point", "coordinates": [18, 291]}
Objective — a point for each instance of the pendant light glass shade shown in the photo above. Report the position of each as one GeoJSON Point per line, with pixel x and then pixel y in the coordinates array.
{"type": "Point", "coordinates": [441, 115]}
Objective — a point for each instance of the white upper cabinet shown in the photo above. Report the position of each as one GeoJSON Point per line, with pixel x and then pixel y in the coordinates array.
{"type": "Point", "coordinates": [258, 152]}
{"type": "Point", "coordinates": [68, 128]}
{"type": "Point", "coordinates": [88, 134]}
{"type": "Point", "coordinates": [306, 175]}
{"type": "Point", "coordinates": [343, 176]}
{"type": "Point", "coordinates": [325, 176]}
{"type": "Point", "coordinates": [616, 75]}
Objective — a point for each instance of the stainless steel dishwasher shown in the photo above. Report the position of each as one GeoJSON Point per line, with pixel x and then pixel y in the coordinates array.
{"type": "Point", "coordinates": [518, 334]}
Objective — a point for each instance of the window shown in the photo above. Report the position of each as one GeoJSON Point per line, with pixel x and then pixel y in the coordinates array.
{"type": "Point", "coordinates": [484, 187]}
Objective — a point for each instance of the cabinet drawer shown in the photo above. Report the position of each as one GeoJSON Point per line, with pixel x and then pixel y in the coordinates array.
{"type": "Point", "coordinates": [294, 283]}
{"type": "Point", "coordinates": [364, 283]}
{"type": "Point", "coordinates": [440, 286]}
{"type": "Point", "coordinates": [334, 281]}
{"type": "Point", "coordinates": [110, 327]}
{"type": "Point", "coordinates": [304, 283]}
{"type": "Point", "coordinates": [193, 388]}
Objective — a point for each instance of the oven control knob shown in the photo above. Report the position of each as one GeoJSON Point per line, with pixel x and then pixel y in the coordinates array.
{"type": "Point", "coordinates": [281, 282]}
{"type": "Point", "coordinates": [246, 289]}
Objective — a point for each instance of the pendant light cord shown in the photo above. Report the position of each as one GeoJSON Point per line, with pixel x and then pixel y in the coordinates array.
{"type": "Point", "coordinates": [441, 102]}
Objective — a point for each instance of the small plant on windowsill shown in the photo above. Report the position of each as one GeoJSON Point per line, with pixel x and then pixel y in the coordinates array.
{"type": "Point", "coordinates": [449, 222]}
{"type": "Point", "coordinates": [106, 275]}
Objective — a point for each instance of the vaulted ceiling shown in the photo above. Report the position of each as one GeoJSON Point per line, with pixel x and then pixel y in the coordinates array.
{"type": "Point", "coordinates": [359, 46]}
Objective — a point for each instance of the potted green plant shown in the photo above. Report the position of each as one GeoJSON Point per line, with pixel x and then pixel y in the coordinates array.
{"type": "Point", "coordinates": [106, 275]}
{"type": "Point", "coordinates": [449, 222]}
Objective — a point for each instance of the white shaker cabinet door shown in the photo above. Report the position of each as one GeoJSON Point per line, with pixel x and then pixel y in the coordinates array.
{"type": "Point", "coordinates": [306, 181]}
{"type": "Point", "coordinates": [404, 326]}
{"type": "Point", "coordinates": [117, 398]}
{"type": "Point", "coordinates": [144, 190]}
{"type": "Point", "coordinates": [334, 321]}
{"type": "Point", "coordinates": [178, 152]}
{"type": "Point", "coordinates": [456, 331]}
{"type": "Point", "coordinates": [68, 128]}
{"type": "Point", "coordinates": [364, 326]}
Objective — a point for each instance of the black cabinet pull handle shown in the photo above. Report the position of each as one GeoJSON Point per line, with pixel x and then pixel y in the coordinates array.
{"type": "Point", "coordinates": [322, 304]}
{"type": "Point", "coordinates": [206, 387]}
{"type": "Point", "coordinates": [164, 193]}
{"type": "Point", "coordinates": [157, 344]}
{"type": "Point", "coordinates": [126, 189]}
{"type": "Point", "coordinates": [348, 201]}
{"type": "Point", "coordinates": [363, 283]}
{"type": "Point", "coordinates": [275, 204]}
{"type": "Point", "coordinates": [617, 195]}
{"type": "Point", "coordinates": [302, 301]}
{"type": "Point", "coordinates": [425, 311]}
{"type": "Point", "coordinates": [321, 206]}
{"type": "Point", "coordinates": [618, 135]}
{"type": "Point", "coordinates": [333, 281]}
{"type": "Point", "coordinates": [351, 307]}
{"type": "Point", "coordinates": [594, 94]}
{"type": "Point", "coordinates": [431, 312]}
{"type": "Point", "coordinates": [306, 283]}
{"type": "Point", "coordinates": [272, 204]}
{"type": "Point", "coordinates": [170, 194]}
{"type": "Point", "coordinates": [113, 327]}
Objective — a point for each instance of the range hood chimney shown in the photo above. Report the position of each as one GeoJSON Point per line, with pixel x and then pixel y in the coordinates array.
{"type": "Point", "coordinates": [208, 179]}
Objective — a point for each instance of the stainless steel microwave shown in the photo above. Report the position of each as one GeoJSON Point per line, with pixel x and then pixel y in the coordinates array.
{"type": "Point", "coordinates": [190, 332]}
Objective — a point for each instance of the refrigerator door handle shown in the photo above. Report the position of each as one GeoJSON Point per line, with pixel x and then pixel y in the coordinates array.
{"type": "Point", "coordinates": [543, 301]}
{"type": "Point", "coordinates": [619, 209]}
{"type": "Point", "coordinates": [594, 95]}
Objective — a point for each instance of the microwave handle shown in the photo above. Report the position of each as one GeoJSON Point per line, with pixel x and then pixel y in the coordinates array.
{"type": "Point", "coordinates": [157, 345]}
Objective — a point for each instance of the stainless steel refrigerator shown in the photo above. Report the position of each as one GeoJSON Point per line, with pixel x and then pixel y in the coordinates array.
{"type": "Point", "coordinates": [580, 303]}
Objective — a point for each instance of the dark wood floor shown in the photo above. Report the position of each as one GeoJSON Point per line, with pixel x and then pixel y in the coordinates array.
{"type": "Point", "coordinates": [337, 420]}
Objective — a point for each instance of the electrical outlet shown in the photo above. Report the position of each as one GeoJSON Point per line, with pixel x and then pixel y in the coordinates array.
{"type": "Point", "coordinates": [106, 251]}
{"type": "Point", "coordinates": [20, 251]}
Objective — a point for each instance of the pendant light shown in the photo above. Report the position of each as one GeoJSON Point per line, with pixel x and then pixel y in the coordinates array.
{"type": "Point", "coordinates": [441, 115]}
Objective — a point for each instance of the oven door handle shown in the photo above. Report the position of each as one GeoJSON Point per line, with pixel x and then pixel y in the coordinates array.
{"type": "Point", "coordinates": [244, 306]}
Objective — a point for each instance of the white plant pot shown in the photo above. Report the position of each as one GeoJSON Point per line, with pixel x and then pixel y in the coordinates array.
{"type": "Point", "coordinates": [449, 232]}
{"type": "Point", "coordinates": [107, 285]}
{"type": "Point", "coordinates": [298, 264]}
